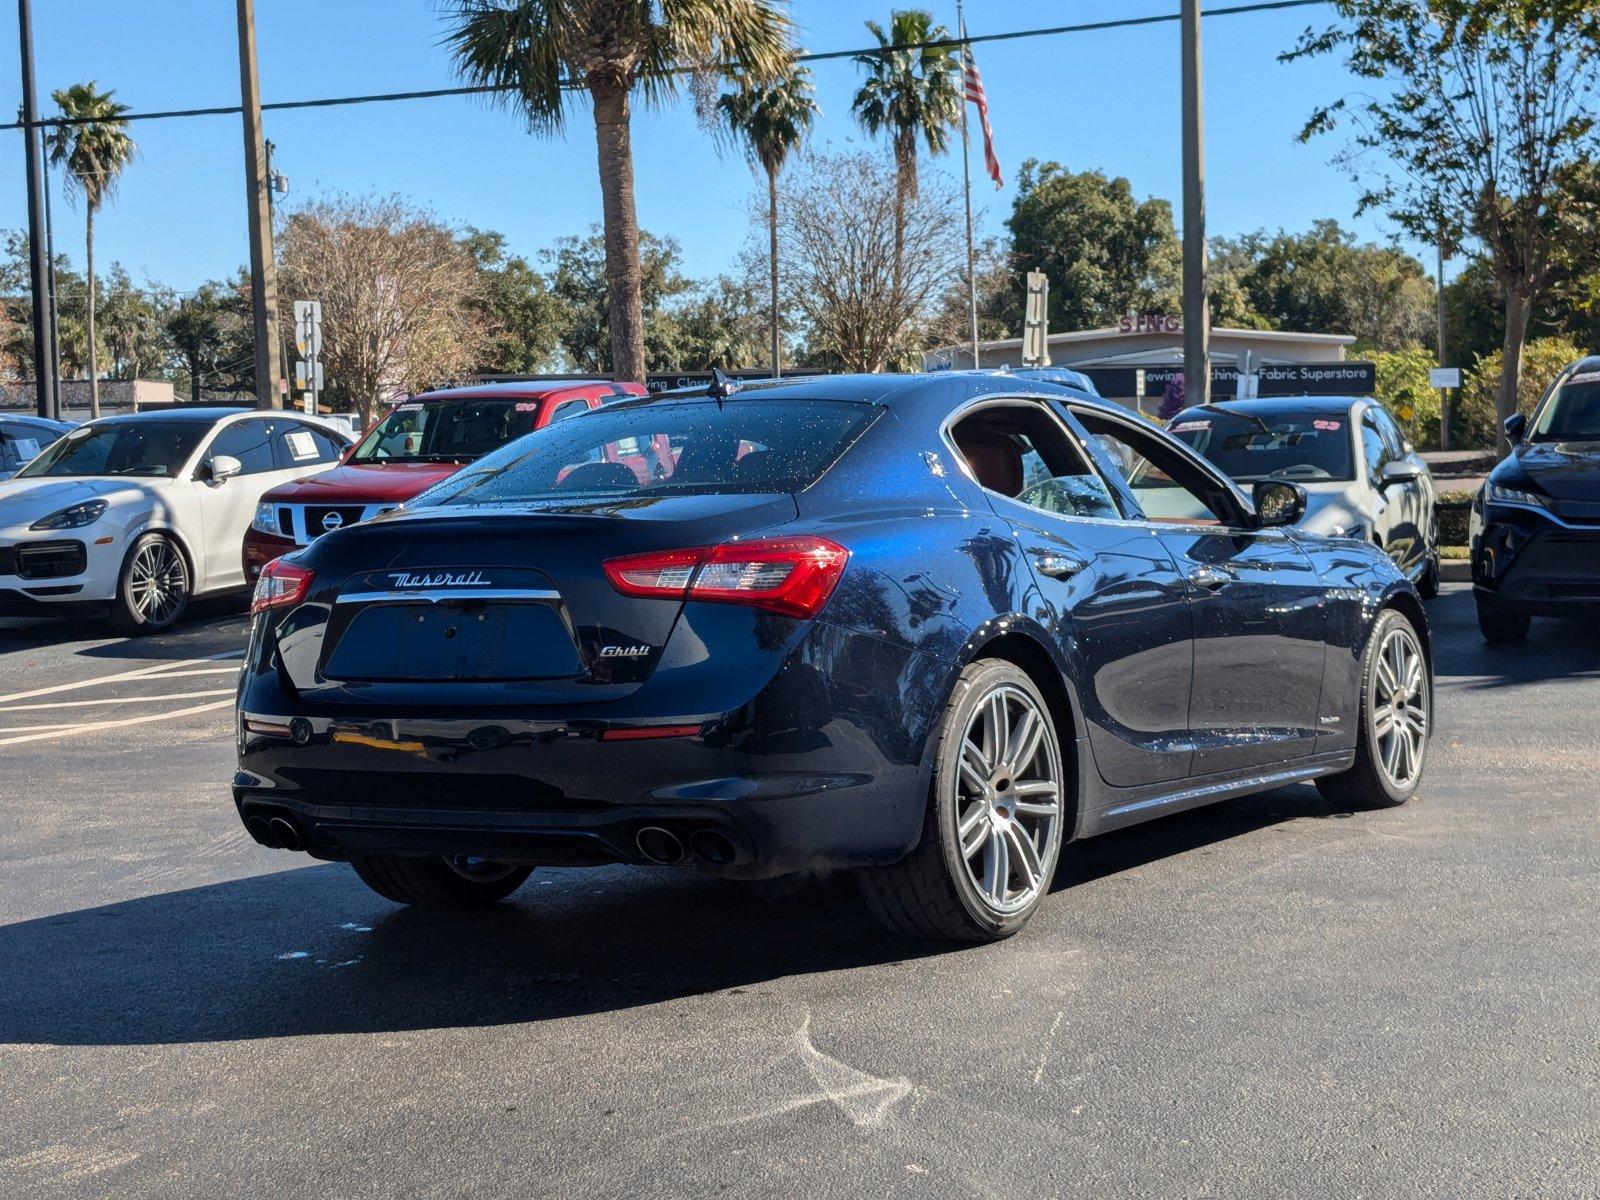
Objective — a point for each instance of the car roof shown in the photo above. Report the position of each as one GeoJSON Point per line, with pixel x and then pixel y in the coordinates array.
{"type": "Point", "coordinates": [530, 389]}
{"type": "Point", "coordinates": [1277, 405]}
{"type": "Point", "coordinates": [932, 394]}
{"type": "Point", "coordinates": [206, 413]}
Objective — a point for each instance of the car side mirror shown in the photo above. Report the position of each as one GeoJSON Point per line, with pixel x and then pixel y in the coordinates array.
{"type": "Point", "coordinates": [1401, 471]}
{"type": "Point", "coordinates": [1278, 503]}
{"type": "Point", "coordinates": [1515, 426]}
{"type": "Point", "coordinates": [224, 467]}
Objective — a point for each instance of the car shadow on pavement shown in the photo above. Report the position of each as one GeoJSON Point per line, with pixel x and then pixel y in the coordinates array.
{"type": "Point", "coordinates": [1111, 854]}
{"type": "Point", "coordinates": [1554, 649]}
{"type": "Point", "coordinates": [311, 951]}
{"type": "Point", "coordinates": [209, 627]}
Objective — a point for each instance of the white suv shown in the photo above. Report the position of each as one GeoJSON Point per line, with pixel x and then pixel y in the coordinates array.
{"type": "Point", "coordinates": [129, 517]}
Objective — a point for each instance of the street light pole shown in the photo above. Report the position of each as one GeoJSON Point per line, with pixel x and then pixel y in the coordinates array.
{"type": "Point", "coordinates": [263, 270]}
{"type": "Point", "coordinates": [1196, 298]}
{"type": "Point", "coordinates": [44, 367]}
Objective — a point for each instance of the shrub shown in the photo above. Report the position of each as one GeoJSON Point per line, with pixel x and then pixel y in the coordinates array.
{"type": "Point", "coordinates": [1404, 390]}
{"type": "Point", "coordinates": [1542, 361]}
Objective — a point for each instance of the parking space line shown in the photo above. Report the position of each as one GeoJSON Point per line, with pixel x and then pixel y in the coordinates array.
{"type": "Point", "coordinates": [118, 700]}
{"type": "Point", "coordinates": [98, 726]}
{"type": "Point", "coordinates": [164, 669]}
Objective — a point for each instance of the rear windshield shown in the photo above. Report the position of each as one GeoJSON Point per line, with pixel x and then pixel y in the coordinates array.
{"type": "Point", "coordinates": [671, 447]}
{"type": "Point", "coordinates": [1573, 414]}
{"type": "Point", "coordinates": [1310, 446]}
{"type": "Point", "coordinates": [447, 430]}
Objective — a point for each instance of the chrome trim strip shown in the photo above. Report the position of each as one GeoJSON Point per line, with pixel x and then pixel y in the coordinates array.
{"type": "Point", "coordinates": [443, 595]}
{"type": "Point", "coordinates": [1250, 784]}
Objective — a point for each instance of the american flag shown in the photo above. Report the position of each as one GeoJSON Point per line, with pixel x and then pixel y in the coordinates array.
{"type": "Point", "coordinates": [975, 95]}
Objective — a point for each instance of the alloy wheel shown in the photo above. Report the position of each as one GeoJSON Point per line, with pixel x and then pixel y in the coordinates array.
{"type": "Point", "coordinates": [1400, 708]}
{"type": "Point", "coordinates": [158, 584]}
{"type": "Point", "coordinates": [1008, 800]}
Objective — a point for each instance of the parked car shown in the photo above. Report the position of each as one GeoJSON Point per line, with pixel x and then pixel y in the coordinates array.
{"type": "Point", "coordinates": [129, 517]}
{"type": "Point", "coordinates": [1535, 525]}
{"type": "Point", "coordinates": [919, 627]}
{"type": "Point", "coordinates": [1065, 376]}
{"type": "Point", "coordinates": [1362, 476]}
{"type": "Point", "coordinates": [23, 438]}
{"type": "Point", "coordinates": [421, 441]}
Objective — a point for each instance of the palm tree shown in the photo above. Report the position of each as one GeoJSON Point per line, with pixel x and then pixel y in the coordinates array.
{"type": "Point", "coordinates": [772, 120]}
{"type": "Point", "coordinates": [95, 151]}
{"type": "Point", "coordinates": [910, 94]}
{"type": "Point", "coordinates": [537, 53]}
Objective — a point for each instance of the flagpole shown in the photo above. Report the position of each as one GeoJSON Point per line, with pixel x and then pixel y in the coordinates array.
{"type": "Point", "coordinates": [966, 179]}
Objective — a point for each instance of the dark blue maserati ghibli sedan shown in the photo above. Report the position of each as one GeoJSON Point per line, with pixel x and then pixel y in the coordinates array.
{"type": "Point", "coordinates": [919, 627]}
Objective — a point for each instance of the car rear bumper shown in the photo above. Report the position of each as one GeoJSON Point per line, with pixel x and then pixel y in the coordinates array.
{"type": "Point", "coordinates": [819, 768]}
{"type": "Point", "coordinates": [548, 793]}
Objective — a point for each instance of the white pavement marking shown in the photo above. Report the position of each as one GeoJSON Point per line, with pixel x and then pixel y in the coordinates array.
{"type": "Point", "coordinates": [99, 726]}
{"type": "Point", "coordinates": [120, 700]}
{"type": "Point", "coordinates": [164, 669]}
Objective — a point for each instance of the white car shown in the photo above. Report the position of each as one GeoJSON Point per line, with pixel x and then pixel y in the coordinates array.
{"type": "Point", "coordinates": [23, 437]}
{"type": "Point", "coordinates": [1363, 478]}
{"type": "Point", "coordinates": [129, 517]}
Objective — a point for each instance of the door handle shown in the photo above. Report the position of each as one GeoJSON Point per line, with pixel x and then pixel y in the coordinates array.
{"type": "Point", "coordinates": [1058, 566]}
{"type": "Point", "coordinates": [1210, 578]}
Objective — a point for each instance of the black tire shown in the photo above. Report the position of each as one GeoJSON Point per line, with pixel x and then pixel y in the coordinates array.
{"type": "Point", "coordinates": [1428, 581]}
{"type": "Point", "coordinates": [135, 610]}
{"type": "Point", "coordinates": [436, 883]}
{"type": "Point", "coordinates": [930, 893]}
{"type": "Point", "coordinates": [1367, 783]}
{"type": "Point", "coordinates": [1500, 627]}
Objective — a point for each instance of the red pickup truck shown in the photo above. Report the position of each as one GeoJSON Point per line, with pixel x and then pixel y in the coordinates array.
{"type": "Point", "coordinates": [421, 441]}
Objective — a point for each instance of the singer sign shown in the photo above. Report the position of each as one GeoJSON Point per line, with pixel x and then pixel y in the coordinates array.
{"type": "Point", "coordinates": [1150, 323]}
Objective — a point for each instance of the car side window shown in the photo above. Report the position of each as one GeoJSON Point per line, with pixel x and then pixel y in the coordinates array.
{"type": "Point", "coordinates": [1394, 438]}
{"type": "Point", "coordinates": [568, 408]}
{"type": "Point", "coordinates": [1019, 450]}
{"type": "Point", "coordinates": [295, 445]}
{"type": "Point", "coordinates": [1168, 487]}
{"type": "Point", "coordinates": [1372, 447]}
{"type": "Point", "coordinates": [248, 441]}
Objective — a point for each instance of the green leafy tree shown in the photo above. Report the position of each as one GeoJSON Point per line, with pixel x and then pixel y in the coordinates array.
{"type": "Point", "coordinates": [96, 149]}
{"type": "Point", "coordinates": [1477, 126]}
{"type": "Point", "coordinates": [771, 121]}
{"type": "Point", "coordinates": [1324, 281]}
{"type": "Point", "coordinates": [132, 320]}
{"type": "Point", "coordinates": [911, 95]}
{"type": "Point", "coordinates": [526, 317]}
{"type": "Point", "coordinates": [208, 332]}
{"type": "Point", "coordinates": [577, 279]}
{"type": "Point", "coordinates": [1105, 252]}
{"type": "Point", "coordinates": [539, 53]}
{"type": "Point", "coordinates": [719, 325]}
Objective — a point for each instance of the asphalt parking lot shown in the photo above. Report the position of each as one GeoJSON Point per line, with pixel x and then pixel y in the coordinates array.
{"type": "Point", "coordinates": [1269, 997]}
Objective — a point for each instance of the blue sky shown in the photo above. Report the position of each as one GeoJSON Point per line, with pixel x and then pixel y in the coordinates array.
{"type": "Point", "coordinates": [1107, 100]}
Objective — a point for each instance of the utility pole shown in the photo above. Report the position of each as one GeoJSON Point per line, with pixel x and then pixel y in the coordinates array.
{"type": "Point", "coordinates": [263, 270]}
{"type": "Point", "coordinates": [1444, 361]}
{"type": "Point", "coordinates": [1196, 296]}
{"type": "Point", "coordinates": [44, 367]}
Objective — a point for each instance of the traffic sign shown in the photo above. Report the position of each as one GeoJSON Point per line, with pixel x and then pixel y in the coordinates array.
{"type": "Point", "coordinates": [1444, 377]}
{"type": "Point", "coordinates": [308, 328]}
{"type": "Point", "coordinates": [305, 378]}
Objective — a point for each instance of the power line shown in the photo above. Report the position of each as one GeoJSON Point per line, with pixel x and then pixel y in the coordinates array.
{"type": "Point", "coordinates": [224, 110]}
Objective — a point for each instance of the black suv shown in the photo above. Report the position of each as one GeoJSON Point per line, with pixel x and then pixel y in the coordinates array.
{"type": "Point", "coordinates": [1536, 520]}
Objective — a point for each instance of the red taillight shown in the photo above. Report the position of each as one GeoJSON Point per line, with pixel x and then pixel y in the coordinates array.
{"type": "Point", "coordinates": [789, 575]}
{"type": "Point", "coordinates": [280, 583]}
